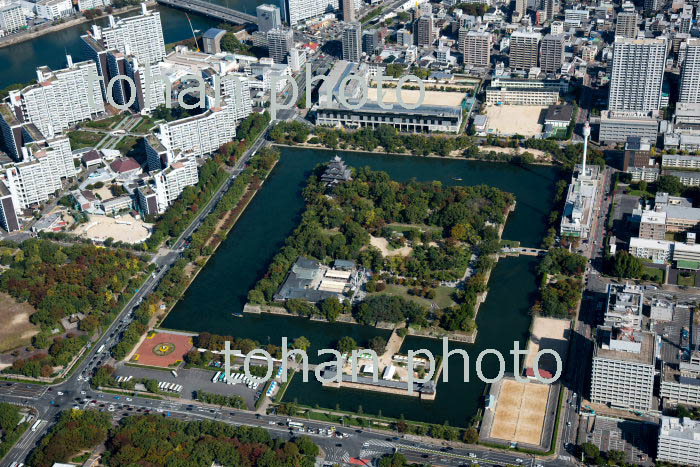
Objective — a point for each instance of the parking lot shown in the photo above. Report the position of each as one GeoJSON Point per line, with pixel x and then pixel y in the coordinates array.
{"type": "Point", "coordinates": [192, 380]}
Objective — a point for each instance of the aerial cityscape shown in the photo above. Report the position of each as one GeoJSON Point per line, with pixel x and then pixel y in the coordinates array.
{"type": "Point", "coordinates": [349, 232]}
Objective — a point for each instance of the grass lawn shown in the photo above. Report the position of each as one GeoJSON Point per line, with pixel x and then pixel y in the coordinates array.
{"type": "Point", "coordinates": [442, 295]}
{"type": "Point", "coordinates": [144, 125]}
{"type": "Point", "coordinates": [84, 139]}
{"type": "Point", "coordinates": [16, 330]}
{"type": "Point", "coordinates": [105, 123]}
{"type": "Point", "coordinates": [687, 281]}
{"type": "Point", "coordinates": [654, 273]}
{"type": "Point", "coordinates": [127, 144]}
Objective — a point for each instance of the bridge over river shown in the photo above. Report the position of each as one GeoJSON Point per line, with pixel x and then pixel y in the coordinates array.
{"type": "Point", "coordinates": [211, 10]}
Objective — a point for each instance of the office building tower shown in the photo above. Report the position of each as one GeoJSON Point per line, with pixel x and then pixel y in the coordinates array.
{"type": "Point", "coordinates": [679, 441]}
{"type": "Point", "coordinates": [637, 74]}
{"type": "Point", "coordinates": [352, 42]}
{"type": "Point", "coordinates": [477, 48]}
{"type": "Point", "coordinates": [552, 53]}
{"type": "Point", "coordinates": [626, 25]}
{"type": "Point", "coordinates": [140, 36]}
{"type": "Point", "coordinates": [349, 11]}
{"type": "Point", "coordinates": [623, 368]}
{"type": "Point", "coordinates": [300, 10]}
{"type": "Point", "coordinates": [268, 17]}
{"type": "Point", "coordinates": [280, 42]}
{"type": "Point", "coordinates": [12, 18]}
{"type": "Point", "coordinates": [690, 73]}
{"type": "Point", "coordinates": [370, 41]}
{"type": "Point", "coordinates": [425, 35]}
{"type": "Point", "coordinates": [61, 98]}
{"type": "Point", "coordinates": [524, 49]}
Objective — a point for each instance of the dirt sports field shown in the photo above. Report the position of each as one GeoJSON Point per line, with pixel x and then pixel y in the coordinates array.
{"type": "Point", "coordinates": [16, 329]}
{"type": "Point", "coordinates": [515, 119]}
{"type": "Point", "coordinates": [547, 333]}
{"type": "Point", "coordinates": [520, 412]}
{"type": "Point", "coordinates": [163, 349]}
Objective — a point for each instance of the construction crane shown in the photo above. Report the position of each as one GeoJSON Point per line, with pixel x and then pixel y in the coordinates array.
{"type": "Point", "coordinates": [196, 44]}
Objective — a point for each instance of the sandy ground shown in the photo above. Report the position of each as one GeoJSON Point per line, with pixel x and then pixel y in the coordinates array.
{"type": "Point", "coordinates": [382, 244]}
{"type": "Point", "coordinates": [515, 119]}
{"type": "Point", "coordinates": [547, 333]}
{"type": "Point", "coordinates": [16, 329]}
{"type": "Point", "coordinates": [520, 412]}
{"type": "Point", "coordinates": [539, 155]}
{"type": "Point", "coordinates": [125, 229]}
{"type": "Point", "coordinates": [410, 96]}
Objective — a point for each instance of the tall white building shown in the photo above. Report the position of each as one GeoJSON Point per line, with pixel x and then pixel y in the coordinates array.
{"type": "Point", "coordinates": [637, 74]}
{"type": "Point", "coordinates": [300, 10]}
{"type": "Point", "coordinates": [280, 41]}
{"type": "Point", "coordinates": [54, 9]}
{"type": "Point", "coordinates": [61, 98]}
{"type": "Point", "coordinates": [12, 18]}
{"type": "Point", "coordinates": [268, 17]}
{"type": "Point", "coordinates": [140, 36]}
{"type": "Point", "coordinates": [349, 11]}
{"type": "Point", "coordinates": [201, 134]}
{"type": "Point", "coordinates": [352, 42]}
{"type": "Point", "coordinates": [170, 183]}
{"type": "Point", "coordinates": [623, 368]}
{"type": "Point", "coordinates": [235, 90]}
{"type": "Point", "coordinates": [84, 5]}
{"type": "Point", "coordinates": [55, 153]}
{"type": "Point", "coordinates": [524, 48]}
{"type": "Point", "coordinates": [679, 441]}
{"type": "Point", "coordinates": [690, 75]}
{"type": "Point", "coordinates": [626, 25]}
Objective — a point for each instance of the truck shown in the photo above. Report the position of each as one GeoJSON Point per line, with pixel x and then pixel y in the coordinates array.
{"type": "Point", "coordinates": [36, 425]}
{"type": "Point", "coordinates": [174, 373]}
{"type": "Point", "coordinates": [102, 347]}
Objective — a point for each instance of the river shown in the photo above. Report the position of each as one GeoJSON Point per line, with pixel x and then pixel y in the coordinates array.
{"type": "Point", "coordinates": [221, 288]}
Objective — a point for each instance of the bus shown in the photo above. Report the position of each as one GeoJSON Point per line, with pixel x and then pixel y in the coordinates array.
{"type": "Point", "coordinates": [216, 377]}
{"type": "Point", "coordinates": [295, 425]}
{"type": "Point", "coordinates": [102, 347]}
{"type": "Point", "coordinates": [36, 425]}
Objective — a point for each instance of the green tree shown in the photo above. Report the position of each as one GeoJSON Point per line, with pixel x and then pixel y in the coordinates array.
{"type": "Point", "coordinates": [590, 450]}
{"type": "Point", "coordinates": [301, 343]}
{"type": "Point", "coordinates": [346, 344]}
{"type": "Point", "coordinates": [669, 184]}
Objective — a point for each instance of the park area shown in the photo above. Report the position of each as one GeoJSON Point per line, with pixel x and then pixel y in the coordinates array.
{"type": "Point", "coordinates": [163, 349]}
{"type": "Point", "coordinates": [520, 412]}
{"type": "Point", "coordinates": [509, 120]}
{"type": "Point", "coordinates": [16, 329]}
{"type": "Point", "coordinates": [125, 229]}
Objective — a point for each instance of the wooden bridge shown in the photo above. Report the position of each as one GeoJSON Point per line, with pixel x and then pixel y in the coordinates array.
{"type": "Point", "coordinates": [211, 10]}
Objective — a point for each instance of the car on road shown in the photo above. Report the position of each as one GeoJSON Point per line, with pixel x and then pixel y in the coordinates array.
{"type": "Point", "coordinates": [110, 408]}
{"type": "Point", "coordinates": [59, 393]}
{"type": "Point", "coordinates": [128, 399]}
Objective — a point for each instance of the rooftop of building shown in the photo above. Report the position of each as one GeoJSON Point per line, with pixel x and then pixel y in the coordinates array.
{"type": "Point", "coordinates": [560, 113]}
{"type": "Point", "coordinates": [625, 345]}
{"type": "Point", "coordinates": [125, 164]}
{"type": "Point", "coordinates": [8, 115]}
{"type": "Point", "coordinates": [680, 428]}
{"type": "Point", "coordinates": [636, 143]}
{"type": "Point", "coordinates": [213, 33]}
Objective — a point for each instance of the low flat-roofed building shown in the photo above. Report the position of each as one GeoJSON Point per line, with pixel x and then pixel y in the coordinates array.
{"type": "Point", "coordinates": [617, 126]}
{"type": "Point", "coordinates": [114, 205]}
{"type": "Point", "coordinates": [681, 384]}
{"type": "Point", "coordinates": [662, 309]}
{"type": "Point", "coordinates": [623, 368]}
{"type": "Point", "coordinates": [312, 281]}
{"type": "Point", "coordinates": [652, 225]}
{"type": "Point", "coordinates": [624, 306]}
{"type": "Point", "coordinates": [686, 177]}
{"type": "Point", "coordinates": [559, 116]}
{"type": "Point", "coordinates": [679, 441]}
{"type": "Point", "coordinates": [658, 251]}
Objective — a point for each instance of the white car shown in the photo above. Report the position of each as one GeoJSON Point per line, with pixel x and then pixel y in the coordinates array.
{"type": "Point", "coordinates": [59, 393]}
{"type": "Point", "coordinates": [128, 399]}
{"type": "Point", "coordinates": [110, 408]}
{"type": "Point", "coordinates": [82, 393]}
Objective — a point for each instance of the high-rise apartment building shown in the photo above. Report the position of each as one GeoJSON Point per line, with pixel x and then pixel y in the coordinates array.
{"type": "Point", "coordinates": [268, 17]}
{"type": "Point", "coordinates": [425, 31]}
{"type": "Point", "coordinates": [200, 134]}
{"type": "Point", "coordinates": [679, 441]}
{"type": "Point", "coordinates": [8, 213]}
{"type": "Point", "coordinates": [637, 74]}
{"type": "Point", "coordinates": [300, 10]}
{"type": "Point", "coordinates": [551, 9]}
{"type": "Point", "coordinates": [626, 25]}
{"type": "Point", "coordinates": [352, 42]}
{"type": "Point", "coordinates": [623, 368]}
{"type": "Point", "coordinates": [552, 53]}
{"type": "Point", "coordinates": [477, 48]}
{"type": "Point", "coordinates": [61, 98]}
{"type": "Point", "coordinates": [140, 36]}
{"type": "Point", "coordinates": [170, 182]}
{"type": "Point", "coordinates": [370, 41]}
{"type": "Point", "coordinates": [280, 41]}
{"type": "Point", "coordinates": [690, 74]}
{"type": "Point", "coordinates": [12, 18]}
{"type": "Point", "coordinates": [349, 11]}
{"type": "Point", "coordinates": [524, 49]}
{"type": "Point", "coordinates": [652, 6]}
{"type": "Point", "coordinates": [235, 89]}
{"type": "Point", "coordinates": [520, 8]}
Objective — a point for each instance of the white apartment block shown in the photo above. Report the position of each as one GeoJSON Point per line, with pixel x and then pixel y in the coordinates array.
{"type": "Point", "coordinates": [690, 75]}
{"type": "Point", "coordinates": [524, 49]}
{"type": "Point", "coordinates": [201, 134]}
{"type": "Point", "coordinates": [170, 182]}
{"type": "Point", "coordinates": [55, 153]}
{"type": "Point", "coordinates": [682, 385]}
{"type": "Point", "coordinates": [54, 9]}
{"type": "Point", "coordinates": [477, 48]}
{"type": "Point", "coordinates": [140, 36]}
{"type": "Point", "coordinates": [679, 441]}
{"type": "Point", "coordinates": [623, 369]}
{"type": "Point", "coordinates": [61, 98]}
{"type": "Point", "coordinates": [235, 89]}
{"type": "Point", "coordinates": [301, 10]}
{"type": "Point", "coordinates": [150, 87]}
{"type": "Point", "coordinates": [658, 251]}
{"type": "Point", "coordinates": [84, 5]}
{"type": "Point", "coordinates": [680, 161]}
{"type": "Point", "coordinates": [12, 18]}
{"type": "Point", "coordinates": [637, 74]}
{"type": "Point", "coordinates": [352, 42]}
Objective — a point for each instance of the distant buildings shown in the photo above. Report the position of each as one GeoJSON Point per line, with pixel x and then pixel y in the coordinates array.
{"type": "Point", "coordinates": [679, 441]}
{"type": "Point", "coordinates": [637, 75]}
{"type": "Point", "coordinates": [352, 42]}
{"type": "Point", "coordinates": [12, 18]}
{"type": "Point", "coordinates": [690, 75]}
{"type": "Point", "coordinates": [300, 10]}
{"type": "Point", "coordinates": [623, 368]}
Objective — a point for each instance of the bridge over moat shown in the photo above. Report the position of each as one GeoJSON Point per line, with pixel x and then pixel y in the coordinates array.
{"type": "Point", "coordinates": [211, 10]}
